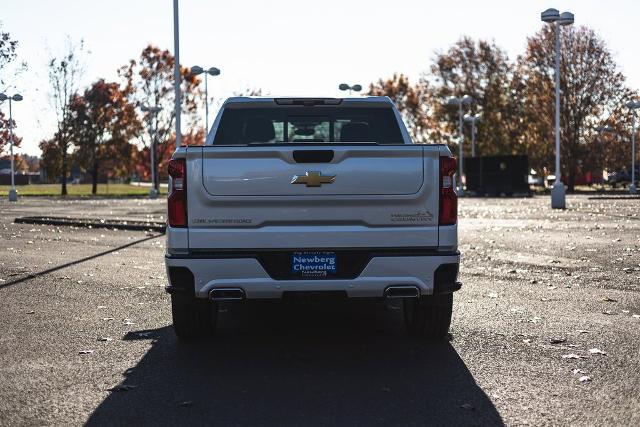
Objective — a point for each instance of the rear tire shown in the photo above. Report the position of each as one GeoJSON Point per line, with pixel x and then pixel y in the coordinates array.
{"type": "Point", "coordinates": [428, 316]}
{"type": "Point", "coordinates": [193, 318]}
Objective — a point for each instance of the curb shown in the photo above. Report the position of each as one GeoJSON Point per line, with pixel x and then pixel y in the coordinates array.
{"type": "Point", "coordinates": [94, 223]}
{"type": "Point", "coordinates": [614, 198]}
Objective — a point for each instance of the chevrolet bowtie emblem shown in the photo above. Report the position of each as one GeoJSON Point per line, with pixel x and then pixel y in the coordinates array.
{"type": "Point", "coordinates": [313, 179]}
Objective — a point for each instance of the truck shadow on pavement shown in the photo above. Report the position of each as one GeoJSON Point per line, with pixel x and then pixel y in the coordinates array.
{"type": "Point", "coordinates": [278, 363]}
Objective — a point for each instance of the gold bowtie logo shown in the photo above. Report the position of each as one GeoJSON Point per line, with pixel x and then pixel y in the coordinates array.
{"type": "Point", "coordinates": [313, 179]}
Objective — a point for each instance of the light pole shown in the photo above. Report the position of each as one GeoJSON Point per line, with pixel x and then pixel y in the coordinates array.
{"type": "Point", "coordinates": [176, 73]}
{"type": "Point", "coordinates": [153, 111]}
{"type": "Point", "coordinates": [473, 120]}
{"type": "Point", "coordinates": [355, 88]}
{"type": "Point", "coordinates": [213, 71]}
{"type": "Point", "coordinates": [633, 106]}
{"type": "Point", "coordinates": [460, 102]}
{"type": "Point", "coordinates": [13, 194]}
{"type": "Point", "coordinates": [557, 19]}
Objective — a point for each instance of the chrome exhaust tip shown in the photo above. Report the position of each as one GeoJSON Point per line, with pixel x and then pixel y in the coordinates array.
{"type": "Point", "coordinates": [226, 294]}
{"type": "Point", "coordinates": [402, 291]}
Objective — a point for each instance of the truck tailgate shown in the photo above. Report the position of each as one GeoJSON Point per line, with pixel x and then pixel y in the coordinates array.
{"type": "Point", "coordinates": [297, 196]}
{"type": "Point", "coordinates": [268, 171]}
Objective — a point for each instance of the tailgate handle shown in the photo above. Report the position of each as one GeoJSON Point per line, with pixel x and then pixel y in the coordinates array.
{"type": "Point", "coordinates": [313, 156]}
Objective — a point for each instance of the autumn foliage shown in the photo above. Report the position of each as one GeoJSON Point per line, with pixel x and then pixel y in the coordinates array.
{"type": "Point", "coordinates": [106, 133]}
{"type": "Point", "coordinates": [103, 130]}
{"type": "Point", "coordinates": [516, 101]}
{"type": "Point", "coordinates": [4, 134]}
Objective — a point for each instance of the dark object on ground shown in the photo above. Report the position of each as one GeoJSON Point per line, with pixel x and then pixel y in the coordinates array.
{"type": "Point", "coordinates": [94, 223]}
{"type": "Point", "coordinates": [497, 175]}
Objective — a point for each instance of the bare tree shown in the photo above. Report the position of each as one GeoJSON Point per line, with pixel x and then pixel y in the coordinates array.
{"type": "Point", "coordinates": [65, 72]}
{"type": "Point", "coordinates": [8, 57]}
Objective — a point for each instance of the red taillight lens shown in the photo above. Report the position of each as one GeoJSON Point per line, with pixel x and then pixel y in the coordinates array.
{"type": "Point", "coordinates": [448, 195]}
{"type": "Point", "coordinates": [177, 200]}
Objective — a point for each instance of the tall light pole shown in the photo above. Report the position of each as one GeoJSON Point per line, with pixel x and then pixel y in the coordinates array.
{"type": "Point", "coordinates": [13, 194]}
{"type": "Point", "coordinates": [473, 120]}
{"type": "Point", "coordinates": [557, 19]}
{"type": "Point", "coordinates": [355, 88]}
{"type": "Point", "coordinates": [176, 72]}
{"type": "Point", "coordinates": [633, 106]}
{"type": "Point", "coordinates": [460, 102]}
{"type": "Point", "coordinates": [213, 71]}
{"type": "Point", "coordinates": [153, 112]}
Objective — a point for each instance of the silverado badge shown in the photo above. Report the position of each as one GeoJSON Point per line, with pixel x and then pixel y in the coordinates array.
{"type": "Point", "coordinates": [313, 179]}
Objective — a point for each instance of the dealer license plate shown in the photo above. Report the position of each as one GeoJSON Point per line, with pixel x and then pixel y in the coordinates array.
{"type": "Point", "coordinates": [315, 264]}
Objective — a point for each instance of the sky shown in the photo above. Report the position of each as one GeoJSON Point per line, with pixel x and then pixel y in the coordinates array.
{"type": "Point", "coordinates": [284, 47]}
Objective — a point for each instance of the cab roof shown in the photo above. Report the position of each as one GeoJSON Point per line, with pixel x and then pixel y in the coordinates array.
{"type": "Point", "coordinates": [254, 101]}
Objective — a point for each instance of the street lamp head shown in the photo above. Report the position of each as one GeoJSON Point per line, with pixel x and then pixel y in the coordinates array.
{"type": "Point", "coordinates": [356, 88]}
{"type": "Point", "coordinates": [152, 110]}
{"type": "Point", "coordinates": [15, 97]}
{"type": "Point", "coordinates": [566, 18]}
{"type": "Point", "coordinates": [550, 16]}
{"type": "Point", "coordinates": [467, 99]}
{"type": "Point", "coordinates": [213, 71]}
{"type": "Point", "coordinates": [343, 86]}
{"type": "Point", "coordinates": [632, 105]}
{"type": "Point", "coordinates": [471, 119]}
{"type": "Point", "coordinates": [195, 70]}
{"type": "Point", "coordinates": [602, 129]}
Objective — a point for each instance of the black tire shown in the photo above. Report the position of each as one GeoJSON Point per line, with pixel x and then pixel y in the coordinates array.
{"type": "Point", "coordinates": [193, 318]}
{"type": "Point", "coordinates": [428, 316]}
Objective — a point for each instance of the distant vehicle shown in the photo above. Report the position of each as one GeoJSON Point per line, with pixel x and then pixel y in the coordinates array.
{"type": "Point", "coordinates": [535, 179]}
{"type": "Point", "coordinates": [621, 177]}
{"type": "Point", "coordinates": [550, 179]}
{"type": "Point", "coordinates": [293, 196]}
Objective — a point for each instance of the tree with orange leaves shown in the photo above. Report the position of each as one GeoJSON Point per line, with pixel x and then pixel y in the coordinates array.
{"type": "Point", "coordinates": [104, 123]}
{"type": "Point", "coordinates": [4, 134]}
{"type": "Point", "coordinates": [149, 81]}
{"type": "Point", "coordinates": [413, 102]}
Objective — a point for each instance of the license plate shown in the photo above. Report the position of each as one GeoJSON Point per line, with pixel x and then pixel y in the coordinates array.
{"type": "Point", "coordinates": [318, 264]}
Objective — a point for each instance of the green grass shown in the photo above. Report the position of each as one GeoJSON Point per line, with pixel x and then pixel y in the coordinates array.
{"type": "Point", "coordinates": [80, 190]}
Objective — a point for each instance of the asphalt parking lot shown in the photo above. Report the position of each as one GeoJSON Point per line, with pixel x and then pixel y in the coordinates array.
{"type": "Point", "coordinates": [546, 330]}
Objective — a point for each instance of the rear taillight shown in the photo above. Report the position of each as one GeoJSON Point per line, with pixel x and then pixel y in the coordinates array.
{"type": "Point", "coordinates": [448, 195]}
{"type": "Point", "coordinates": [177, 200]}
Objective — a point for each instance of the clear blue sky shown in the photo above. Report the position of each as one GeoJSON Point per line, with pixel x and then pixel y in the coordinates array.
{"type": "Point", "coordinates": [285, 47]}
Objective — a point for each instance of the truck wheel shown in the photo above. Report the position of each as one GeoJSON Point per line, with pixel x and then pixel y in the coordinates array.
{"type": "Point", "coordinates": [192, 317]}
{"type": "Point", "coordinates": [428, 316]}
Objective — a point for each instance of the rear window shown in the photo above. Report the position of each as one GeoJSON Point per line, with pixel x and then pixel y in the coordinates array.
{"type": "Point", "coordinates": [242, 126]}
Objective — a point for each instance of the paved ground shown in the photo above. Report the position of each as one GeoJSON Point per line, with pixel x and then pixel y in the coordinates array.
{"type": "Point", "coordinates": [530, 276]}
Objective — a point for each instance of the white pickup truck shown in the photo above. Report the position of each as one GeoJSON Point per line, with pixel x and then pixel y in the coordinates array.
{"type": "Point", "coordinates": [312, 195]}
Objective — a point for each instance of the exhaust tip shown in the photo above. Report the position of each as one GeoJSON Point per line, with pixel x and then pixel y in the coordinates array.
{"type": "Point", "coordinates": [402, 291]}
{"type": "Point", "coordinates": [226, 294]}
